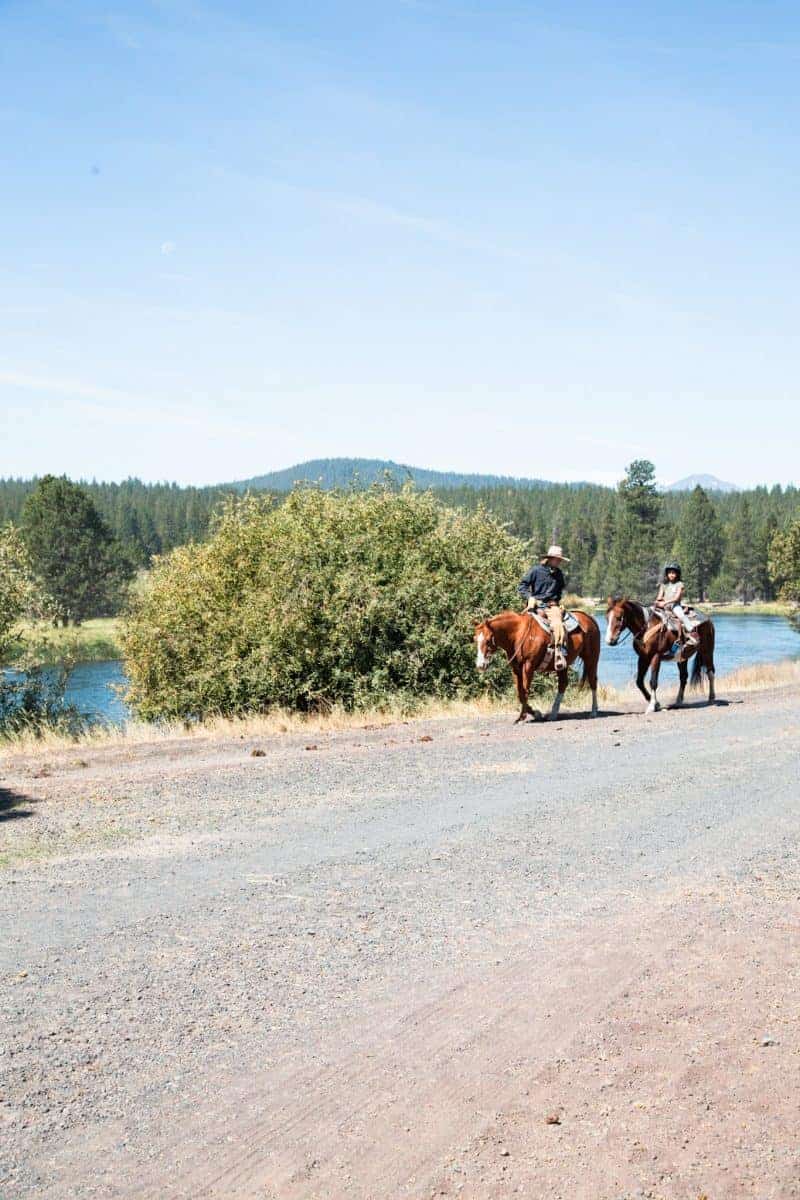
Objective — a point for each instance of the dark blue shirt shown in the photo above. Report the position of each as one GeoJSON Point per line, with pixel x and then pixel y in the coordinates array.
{"type": "Point", "coordinates": [544, 583]}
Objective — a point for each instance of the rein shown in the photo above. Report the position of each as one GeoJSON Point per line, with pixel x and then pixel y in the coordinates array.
{"type": "Point", "coordinates": [628, 630]}
{"type": "Point", "coordinates": [524, 639]}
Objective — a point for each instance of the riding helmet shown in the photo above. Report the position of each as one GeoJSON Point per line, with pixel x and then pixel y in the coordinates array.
{"type": "Point", "coordinates": [672, 566]}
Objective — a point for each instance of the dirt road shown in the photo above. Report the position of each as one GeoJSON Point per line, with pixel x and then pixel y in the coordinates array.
{"type": "Point", "coordinates": [458, 958]}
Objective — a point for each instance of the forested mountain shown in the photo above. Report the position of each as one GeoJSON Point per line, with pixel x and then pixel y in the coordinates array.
{"type": "Point", "coordinates": [343, 472]}
{"type": "Point", "coordinates": [616, 538]}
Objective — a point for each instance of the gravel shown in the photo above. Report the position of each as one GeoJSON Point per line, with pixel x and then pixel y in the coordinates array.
{"type": "Point", "coordinates": [216, 959]}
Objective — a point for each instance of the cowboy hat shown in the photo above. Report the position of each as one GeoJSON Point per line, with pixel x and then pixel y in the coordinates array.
{"type": "Point", "coordinates": [555, 552]}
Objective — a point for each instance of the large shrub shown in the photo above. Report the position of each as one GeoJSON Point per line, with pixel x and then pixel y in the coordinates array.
{"type": "Point", "coordinates": [20, 597]}
{"type": "Point", "coordinates": [350, 598]}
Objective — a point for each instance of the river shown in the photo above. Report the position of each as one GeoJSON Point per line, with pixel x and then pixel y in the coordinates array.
{"type": "Point", "coordinates": [741, 639]}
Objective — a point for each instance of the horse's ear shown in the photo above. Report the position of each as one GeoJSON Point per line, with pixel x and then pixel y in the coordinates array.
{"type": "Point", "coordinates": [609, 601]}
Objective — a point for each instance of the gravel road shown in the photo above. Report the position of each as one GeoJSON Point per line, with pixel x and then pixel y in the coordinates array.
{"type": "Point", "coordinates": [446, 958]}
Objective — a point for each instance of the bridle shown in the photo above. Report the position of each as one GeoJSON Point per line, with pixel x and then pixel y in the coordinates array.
{"type": "Point", "coordinates": [628, 631]}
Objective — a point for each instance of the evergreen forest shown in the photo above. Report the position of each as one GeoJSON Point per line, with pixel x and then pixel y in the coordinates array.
{"type": "Point", "coordinates": [617, 538]}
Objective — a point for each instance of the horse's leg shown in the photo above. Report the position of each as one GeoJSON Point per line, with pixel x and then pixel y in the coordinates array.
{"type": "Point", "coordinates": [590, 663]}
{"type": "Point", "coordinates": [528, 672]}
{"type": "Point", "coordinates": [522, 677]}
{"type": "Point", "coordinates": [562, 677]}
{"type": "Point", "coordinates": [640, 674]}
{"type": "Point", "coordinates": [712, 695]}
{"type": "Point", "coordinates": [522, 692]}
{"type": "Point", "coordinates": [683, 673]}
{"type": "Point", "coordinates": [655, 663]}
{"type": "Point", "coordinates": [707, 649]}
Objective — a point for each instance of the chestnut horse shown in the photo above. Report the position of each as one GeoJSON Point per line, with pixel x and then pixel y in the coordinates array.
{"type": "Point", "coordinates": [653, 643]}
{"type": "Point", "coordinates": [526, 646]}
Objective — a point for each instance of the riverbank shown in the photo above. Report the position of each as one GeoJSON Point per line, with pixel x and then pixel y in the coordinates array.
{"type": "Point", "coordinates": [758, 608]}
{"type": "Point", "coordinates": [97, 640]}
{"type": "Point", "coordinates": [281, 723]}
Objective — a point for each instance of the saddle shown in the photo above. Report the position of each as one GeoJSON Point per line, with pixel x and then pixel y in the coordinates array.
{"type": "Point", "coordinates": [674, 628]}
{"type": "Point", "coordinates": [667, 618]}
{"type": "Point", "coordinates": [571, 622]}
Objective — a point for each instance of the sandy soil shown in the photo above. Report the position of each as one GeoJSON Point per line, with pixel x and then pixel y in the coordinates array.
{"type": "Point", "coordinates": [451, 958]}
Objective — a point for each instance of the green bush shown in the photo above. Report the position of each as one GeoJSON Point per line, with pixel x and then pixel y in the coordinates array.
{"type": "Point", "coordinates": [355, 599]}
{"type": "Point", "coordinates": [18, 592]}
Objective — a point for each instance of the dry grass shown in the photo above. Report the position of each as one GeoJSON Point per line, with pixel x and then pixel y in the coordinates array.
{"type": "Point", "coordinates": [763, 677]}
{"type": "Point", "coordinates": [281, 722]}
{"type": "Point", "coordinates": [758, 678]}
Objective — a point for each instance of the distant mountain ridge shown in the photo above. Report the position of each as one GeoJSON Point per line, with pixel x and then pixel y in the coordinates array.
{"type": "Point", "coordinates": [330, 473]}
{"type": "Point", "coordinates": [340, 472]}
{"type": "Point", "coordinates": [709, 483]}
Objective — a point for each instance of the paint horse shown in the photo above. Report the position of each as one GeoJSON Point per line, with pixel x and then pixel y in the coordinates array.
{"type": "Point", "coordinates": [654, 643]}
{"type": "Point", "coordinates": [528, 649]}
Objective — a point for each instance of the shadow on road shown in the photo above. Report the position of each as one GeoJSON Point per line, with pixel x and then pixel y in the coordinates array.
{"type": "Point", "coordinates": [603, 714]}
{"type": "Point", "coordinates": [8, 805]}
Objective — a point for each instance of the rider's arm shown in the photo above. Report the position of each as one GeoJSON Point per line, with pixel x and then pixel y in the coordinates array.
{"type": "Point", "coordinates": [525, 588]}
{"type": "Point", "coordinates": [660, 597]}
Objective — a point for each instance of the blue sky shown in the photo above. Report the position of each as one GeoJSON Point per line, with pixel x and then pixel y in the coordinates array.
{"type": "Point", "coordinates": [522, 238]}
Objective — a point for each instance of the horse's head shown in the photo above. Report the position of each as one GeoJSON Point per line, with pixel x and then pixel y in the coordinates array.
{"type": "Point", "coordinates": [485, 643]}
{"type": "Point", "coordinates": [616, 618]}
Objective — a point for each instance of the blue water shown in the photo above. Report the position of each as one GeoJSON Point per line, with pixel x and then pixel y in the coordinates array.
{"type": "Point", "coordinates": [94, 689]}
{"type": "Point", "coordinates": [741, 640]}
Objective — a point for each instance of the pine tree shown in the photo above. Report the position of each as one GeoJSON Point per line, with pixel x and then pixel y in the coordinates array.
{"type": "Point", "coordinates": [638, 532]}
{"type": "Point", "coordinates": [784, 562]}
{"type": "Point", "coordinates": [746, 554]}
{"type": "Point", "coordinates": [699, 544]}
{"type": "Point", "coordinates": [72, 551]}
{"type": "Point", "coordinates": [600, 582]}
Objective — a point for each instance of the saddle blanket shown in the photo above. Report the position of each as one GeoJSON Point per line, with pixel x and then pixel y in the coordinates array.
{"type": "Point", "coordinates": [571, 622]}
{"type": "Point", "coordinates": [671, 622]}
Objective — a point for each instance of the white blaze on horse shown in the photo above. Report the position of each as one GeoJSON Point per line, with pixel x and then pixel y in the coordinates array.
{"type": "Point", "coordinates": [529, 648]}
{"type": "Point", "coordinates": [654, 643]}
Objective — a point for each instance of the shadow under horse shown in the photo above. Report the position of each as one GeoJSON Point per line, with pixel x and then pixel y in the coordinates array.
{"type": "Point", "coordinates": [654, 643]}
{"type": "Point", "coordinates": [528, 648]}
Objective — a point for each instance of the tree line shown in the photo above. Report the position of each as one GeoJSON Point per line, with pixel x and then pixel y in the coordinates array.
{"type": "Point", "coordinates": [145, 519]}
{"type": "Point", "coordinates": [619, 539]}
{"type": "Point", "coordinates": [85, 542]}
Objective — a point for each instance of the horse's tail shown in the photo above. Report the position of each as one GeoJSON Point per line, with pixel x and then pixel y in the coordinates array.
{"type": "Point", "coordinates": [704, 654]}
{"type": "Point", "coordinates": [591, 652]}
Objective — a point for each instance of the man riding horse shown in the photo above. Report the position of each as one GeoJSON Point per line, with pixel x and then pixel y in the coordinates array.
{"type": "Point", "coordinates": [543, 587]}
